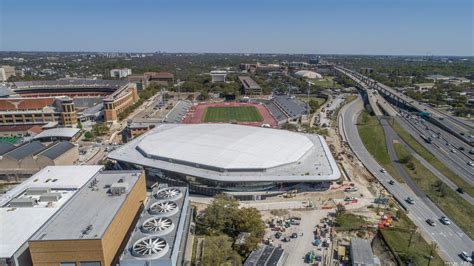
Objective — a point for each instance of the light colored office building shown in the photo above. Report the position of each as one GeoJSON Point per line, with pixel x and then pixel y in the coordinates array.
{"type": "Point", "coordinates": [120, 72]}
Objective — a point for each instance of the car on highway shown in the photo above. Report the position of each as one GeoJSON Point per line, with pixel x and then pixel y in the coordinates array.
{"type": "Point", "coordinates": [453, 150]}
{"type": "Point", "coordinates": [410, 200]}
{"type": "Point", "coordinates": [445, 220]}
{"type": "Point", "coordinates": [460, 190]}
{"type": "Point", "coordinates": [470, 163]}
{"type": "Point", "coordinates": [465, 256]}
{"type": "Point", "coordinates": [430, 222]}
{"type": "Point", "coordinates": [461, 148]}
{"type": "Point", "coordinates": [383, 170]}
{"type": "Point", "coordinates": [391, 182]}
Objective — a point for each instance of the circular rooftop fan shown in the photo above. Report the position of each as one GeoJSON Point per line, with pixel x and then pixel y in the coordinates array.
{"type": "Point", "coordinates": [169, 193]}
{"type": "Point", "coordinates": [150, 247]}
{"type": "Point", "coordinates": [164, 207]}
{"type": "Point", "coordinates": [160, 226]}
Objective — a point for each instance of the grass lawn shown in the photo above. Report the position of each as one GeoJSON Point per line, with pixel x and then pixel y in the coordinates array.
{"type": "Point", "coordinates": [327, 83]}
{"type": "Point", "coordinates": [432, 159]}
{"type": "Point", "coordinates": [349, 221]}
{"type": "Point", "coordinates": [449, 201]}
{"type": "Point", "coordinates": [320, 101]}
{"type": "Point", "coordinates": [398, 238]}
{"type": "Point", "coordinates": [373, 137]}
{"type": "Point", "coordinates": [232, 113]}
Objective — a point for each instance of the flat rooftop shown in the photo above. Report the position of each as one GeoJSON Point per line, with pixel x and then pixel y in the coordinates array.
{"type": "Point", "coordinates": [58, 133]}
{"type": "Point", "coordinates": [60, 177]}
{"type": "Point", "coordinates": [227, 152]}
{"type": "Point", "coordinates": [93, 208]}
{"type": "Point", "coordinates": [248, 82]}
{"type": "Point", "coordinates": [20, 223]}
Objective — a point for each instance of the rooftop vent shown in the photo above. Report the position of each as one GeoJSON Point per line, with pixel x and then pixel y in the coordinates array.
{"type": "Point", "coordinates": [157, 226]}
{"type": "Point", "coordinates": [165, 208]}
{"type": "Point", "coordinates": [118, 188]}
{"type": "Point", "coordinates": [37, 191]}
{"type": "Point", "coordinates": [169, 194]}
{"type": "Point", "coordinates": [47, 197]}
{"type": "Point", "coordinates": [150, 247]}
{"type": "Point", "coordinates": [87, 230]}
{"type": "Point", "coordinates": [22, 203]}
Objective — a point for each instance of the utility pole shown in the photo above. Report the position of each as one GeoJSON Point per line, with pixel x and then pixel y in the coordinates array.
{"type": "Point", "coordinates": [378, 201]}
{"type": "Point", "coordinates": [412, 232]}
{"type": "Point", "coordinates": [433, 248]}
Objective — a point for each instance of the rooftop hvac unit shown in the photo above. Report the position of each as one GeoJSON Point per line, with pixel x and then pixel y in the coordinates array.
{"type": "Point", "coordinates": [169, 194]}
{"type": "Point", "coordinates": [118, 188]}
{"type": "Point", "coordinates": [165, 208]}
{"type": "Point", "coordinates": [150, 248]}
{"type": "Point", "coordinates": [157, 226]}
{"type": "Point", "coordinates": [47, 197]}
{"type": "Point", "coordinates": [22, 203]}
{"type": "Point", "coordinates": [35, 191]}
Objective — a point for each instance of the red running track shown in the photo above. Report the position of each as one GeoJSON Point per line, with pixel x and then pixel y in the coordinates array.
{"type": "Point", "coordinates": [196, 112]}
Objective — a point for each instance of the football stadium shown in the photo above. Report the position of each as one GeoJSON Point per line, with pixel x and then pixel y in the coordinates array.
{"type": "Point", "coordinates": [253, 114]}
{"type": "Point", "coordinates": [215, 158]}
{"type": "Point", "coordinates": [66, 100]}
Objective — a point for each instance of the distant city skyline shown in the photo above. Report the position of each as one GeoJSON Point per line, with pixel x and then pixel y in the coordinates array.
{"type": "Point", "coordinates": [362, 27]}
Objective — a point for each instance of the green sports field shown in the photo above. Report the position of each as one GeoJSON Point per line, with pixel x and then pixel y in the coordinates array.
{"type": "Point", "coordinates": [231, 114]}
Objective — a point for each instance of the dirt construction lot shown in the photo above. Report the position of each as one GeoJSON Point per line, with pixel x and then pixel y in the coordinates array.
{"type": "Point", "coordinates": [297, 248]}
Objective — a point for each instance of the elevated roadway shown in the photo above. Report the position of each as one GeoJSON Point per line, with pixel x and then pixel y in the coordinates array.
{"type": "Point", "coordinates": [459, 128]}
{"type": "Point", "coordinates": [451, 240]}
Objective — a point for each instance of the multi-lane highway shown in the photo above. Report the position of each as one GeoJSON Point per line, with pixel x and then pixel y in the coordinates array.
{"type": "Point", "coordinates": [461, 129]}
{"type": "Point", "coordinates": [392, 137]}
{"type": "Point", "coordinates": [450, 238]}
{"type": "Point", "coordinates": [448, 149]}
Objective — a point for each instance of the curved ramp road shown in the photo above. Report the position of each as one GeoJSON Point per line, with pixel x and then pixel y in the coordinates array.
{"type": "Point", "coordinates": [451, 239]}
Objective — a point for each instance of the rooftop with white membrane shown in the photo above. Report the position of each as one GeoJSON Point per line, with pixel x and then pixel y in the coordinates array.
{"type": "Point", "coordinates": [93, 208]}
{"type": "Point", "coordinates": [58, 133]}
{"type": "Point", "coordinates": [20, 223]}
{"type": "Point", "coordinates": [228, 152]}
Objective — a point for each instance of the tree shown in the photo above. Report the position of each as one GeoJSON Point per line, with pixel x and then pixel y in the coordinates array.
{"type": "Point", "coordinates": [223, 216]}
{"type": "Point", "coordinates": [100, 129]}
{"type": "Point", "coordinates": [340, 209]}
{"type": "Point", "coordinates": [314, 105]}
{"type": "Point", "coordinates": [250, 220]}
{"type": "Point", "coordinates": [203, 96]}
{"type": "Point", "coordinates": [399, 213]}
{"type": "Point", "coordinates": [218, 217]}
{"type": "Point", "coordinates": [88, 135]}
{"type": "Point", "coordinates": [406, 159]}
{"type": "Point", "coordinates": [218, 251]}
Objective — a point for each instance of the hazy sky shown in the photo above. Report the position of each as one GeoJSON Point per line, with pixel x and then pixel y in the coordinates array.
{"type": "Point", "coordinates": [273, 26]}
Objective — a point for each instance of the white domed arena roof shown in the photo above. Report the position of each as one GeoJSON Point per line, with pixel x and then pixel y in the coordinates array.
{"type": "Point", "coordinates": [308, 74]}
{"type": "Point", "coordinates": [226, 146]}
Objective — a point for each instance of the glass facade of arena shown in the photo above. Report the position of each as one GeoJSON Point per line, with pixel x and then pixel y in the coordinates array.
{"type": "Point", "coordinates": [208, 187]}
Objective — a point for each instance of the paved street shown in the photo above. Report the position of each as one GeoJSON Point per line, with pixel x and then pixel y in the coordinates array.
{"type": "Point", "coordinates": [450, 239]}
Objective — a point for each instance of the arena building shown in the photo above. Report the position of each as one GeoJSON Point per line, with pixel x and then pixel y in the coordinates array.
{"type": "Point", "coordinates": [215, 158]}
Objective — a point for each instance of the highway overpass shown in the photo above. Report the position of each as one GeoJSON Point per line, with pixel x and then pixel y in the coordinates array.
{"type": "Point", "coordinates": [461, 129]}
